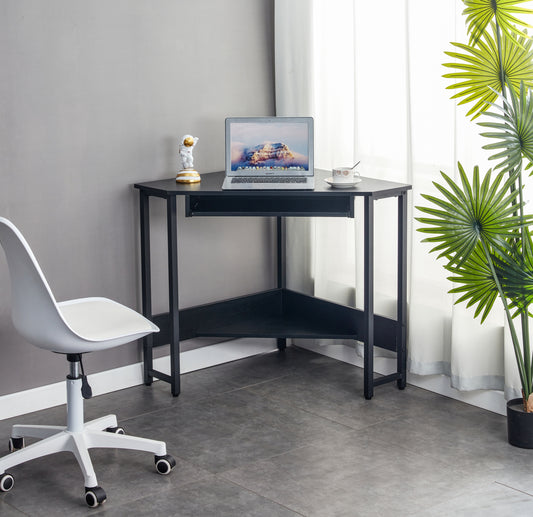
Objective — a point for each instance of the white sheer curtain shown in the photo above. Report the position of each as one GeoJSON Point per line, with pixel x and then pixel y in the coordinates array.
{"type": "Point", "coordinates": [370, 73]}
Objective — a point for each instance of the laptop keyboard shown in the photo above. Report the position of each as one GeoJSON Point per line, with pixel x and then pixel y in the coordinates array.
{"type": "Point", "coordinates": [269, 179]}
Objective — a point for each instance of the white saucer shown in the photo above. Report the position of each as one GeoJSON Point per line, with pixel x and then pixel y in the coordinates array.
{"type": "Point", "coordinates": [331, 183]}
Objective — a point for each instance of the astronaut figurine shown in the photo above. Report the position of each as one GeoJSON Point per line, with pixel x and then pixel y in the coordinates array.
{"type": "Point", "coordinates": [187, 173]}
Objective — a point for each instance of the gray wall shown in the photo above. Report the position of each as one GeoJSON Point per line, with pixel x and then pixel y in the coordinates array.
{"type": "Point", "coordinates": [94, 96]}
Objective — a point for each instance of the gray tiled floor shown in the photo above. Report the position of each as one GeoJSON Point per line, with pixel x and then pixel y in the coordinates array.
{"type": "Point", "coordinates": [287, 434]}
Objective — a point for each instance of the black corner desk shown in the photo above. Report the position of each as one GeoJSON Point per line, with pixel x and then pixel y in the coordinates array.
{"type": "Point", "coordinates": [279, 312]}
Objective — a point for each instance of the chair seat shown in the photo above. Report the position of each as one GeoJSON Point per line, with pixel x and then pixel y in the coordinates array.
{"type": "Point", "coordinates": [101, 319]}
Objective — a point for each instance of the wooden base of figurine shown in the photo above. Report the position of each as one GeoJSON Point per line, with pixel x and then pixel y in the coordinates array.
{"type": "Point", "coordinates": [188, 176]}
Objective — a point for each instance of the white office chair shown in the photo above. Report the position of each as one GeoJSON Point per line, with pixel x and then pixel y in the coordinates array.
{"type": "Point", "coordinates": [73, 328]}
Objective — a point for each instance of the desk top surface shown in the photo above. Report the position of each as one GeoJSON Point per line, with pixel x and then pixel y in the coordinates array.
{"type": "Point", "coordinates": [211, 184]}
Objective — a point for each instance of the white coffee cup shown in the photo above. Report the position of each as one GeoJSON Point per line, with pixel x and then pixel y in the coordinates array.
{"type": "Point", "coordinates": [344, 175]}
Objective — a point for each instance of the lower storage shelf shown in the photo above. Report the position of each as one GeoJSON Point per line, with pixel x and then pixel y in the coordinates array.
{"type": "Point", "coordinates": [277, 313]}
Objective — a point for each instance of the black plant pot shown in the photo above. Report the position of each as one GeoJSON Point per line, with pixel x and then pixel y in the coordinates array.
{"type": "Point", "coordinates": [519, 425]}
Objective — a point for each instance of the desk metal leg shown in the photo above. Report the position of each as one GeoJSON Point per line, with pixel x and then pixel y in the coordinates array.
{"type": "Point", "coordinates": [369, 298]}
{"type": "Point", "coordinates": [173, 302]}
{"type": "Point", "coordinates": [146, 285]}
{"type": "Point", "coordinates": [401, 339]}
{"type": "Point", "coordinates": [280, 232]}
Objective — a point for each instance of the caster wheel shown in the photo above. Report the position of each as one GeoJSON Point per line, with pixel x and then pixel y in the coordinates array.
{"type": "Point", "coordinates": [16, 444]}
{"type": "Point", "coordinates": [95, 496]}
{"type": "Point", "coordinates": [164, 464]}
{"type": "Point", "coordinates": [116, 430]}
{"type": "Point", "coordinates": [6, 482]}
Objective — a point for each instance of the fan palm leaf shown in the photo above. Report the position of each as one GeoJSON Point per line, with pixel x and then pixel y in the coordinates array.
{"type": "Point", "coordinates": [515, 271]}
{"type": "Point", "coordinates": [479, 13]}
{"type": "Point", "coordinates": [478, 284]}
{"type": "Point", "coordinates": [479, 69]}
{"type": "Point", "coordinates": [513, 129]}
{"type": "Point", "coordinates": [470, 213]}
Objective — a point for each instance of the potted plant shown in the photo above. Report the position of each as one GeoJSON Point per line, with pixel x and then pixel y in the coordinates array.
{"type": "Point", "coordinates": [478, 224]}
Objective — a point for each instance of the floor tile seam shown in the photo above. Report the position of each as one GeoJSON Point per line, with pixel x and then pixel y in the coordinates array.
{"type": "Point", "coordinates": [221, 475]}
{"type": "Point", "coordinates": [305, 410]}
{"type": "Point", "coordinates": [315, 414]}
{"type": "Point", "coordinates": [459, 496]}
{"type": "Point", "coordinates": [16, 509]}
{"type": "Point", "coordinates": [258, 461]}
{"type": "Point", "coordinates": [368, 428]}
{"type": "Point", "coordinates": [216, 472]}
{"type": "Point", "coordinates": [295, 406]}
{"type": "Point", "coordinates": [411, 450]}
{"type": "Point", "coordinates": [237, 388]}
{"type": "Point", "coordinates": [259, 383]}
{"type": "Point", "coordinates": [513, 488]}
{"type": "Point", "coordinates": [133, 417]}
{"type": "Point", "coordinates": [416, 450]}
{"type": "Point", "coordinates": [346, 428]}
{"type": "Point", "coordinates": [157, 492]}
{"type": "Point", "coordinates": [168, 408]}
{"type": "Point", "coordinates": [451, 463]}
{"type": "Point", "coordinates": [201, 399]}
{"type": "Point", "coordinates": [344, 424]}
{"type": "Point", "coordinates": [261, 460]}
{"type": "Point", "coordinates": [225, 474]}
{"type": "Point", "coordinates": [400, 415]}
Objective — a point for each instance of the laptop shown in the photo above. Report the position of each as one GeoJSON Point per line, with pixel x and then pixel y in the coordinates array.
{"type": "Point", "coordinates": [269, 153]}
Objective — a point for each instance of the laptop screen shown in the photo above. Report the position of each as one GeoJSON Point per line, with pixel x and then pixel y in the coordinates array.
{"type": "Point", "coordinates": [277, 146]}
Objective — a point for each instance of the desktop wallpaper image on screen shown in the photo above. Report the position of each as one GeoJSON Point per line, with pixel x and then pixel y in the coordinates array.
{"type": "Point", "coordinates": [276, 146]}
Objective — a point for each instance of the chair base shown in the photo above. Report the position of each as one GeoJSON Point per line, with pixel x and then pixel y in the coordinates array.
{"type": "Point", "coordinates": [93, 435]}
{"type": "Point", "coordinates": [78, 437]}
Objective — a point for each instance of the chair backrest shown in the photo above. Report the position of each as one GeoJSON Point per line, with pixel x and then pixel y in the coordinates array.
{"type": "Point", "coordinates": [34, 310]}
